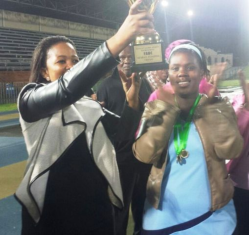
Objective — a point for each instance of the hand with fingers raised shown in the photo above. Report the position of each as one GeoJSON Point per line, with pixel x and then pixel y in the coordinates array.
{"type": "Point", "coordinates": [131, 86]}
{"type": "Point", "coordinates": [245, 88]}
{"type": "Point", "coordinates": [216, 74]}
{"type": "Point", "coordinates": [136, 23]}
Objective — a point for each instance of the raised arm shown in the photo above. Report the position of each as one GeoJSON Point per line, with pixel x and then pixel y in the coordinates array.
{"type": "Point", "coordinates": [38, 101]}
{"type": "Point", "coordinates": [245, 88]}
{"type": "Point", "coordinates": [155, 129]}
{"type": "Point", "coordinates": [137, 23]}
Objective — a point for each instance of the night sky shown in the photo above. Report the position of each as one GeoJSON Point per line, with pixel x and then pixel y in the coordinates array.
{"type": "Point", "coordinates": [222, 25]}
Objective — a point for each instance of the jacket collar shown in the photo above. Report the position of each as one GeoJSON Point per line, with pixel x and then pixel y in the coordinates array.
{"type": "Point", "coordinates": [86, 112]}
{"type": "Point", "coordinates": [83, 111]}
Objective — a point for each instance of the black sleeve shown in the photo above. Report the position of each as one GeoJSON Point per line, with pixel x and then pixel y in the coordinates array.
{"type": "Point", "coordinates": [43, 100]}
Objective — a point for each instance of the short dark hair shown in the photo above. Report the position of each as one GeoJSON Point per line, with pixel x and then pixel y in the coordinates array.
{"type": "Point", "coordinates": [40, 56]}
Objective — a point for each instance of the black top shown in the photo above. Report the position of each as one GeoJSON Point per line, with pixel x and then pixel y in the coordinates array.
{"type": "Point", "coordinates": [76, 199]}
{"type": "Point", "coordinates": [112, 93]}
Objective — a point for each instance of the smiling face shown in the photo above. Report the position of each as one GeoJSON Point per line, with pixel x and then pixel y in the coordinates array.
{"type": "Point", "coordinates": [185, 73]}
{"type": "Point", "coordinates": [60, 58]}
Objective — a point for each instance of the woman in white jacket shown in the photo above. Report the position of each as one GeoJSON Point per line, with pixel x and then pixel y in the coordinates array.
{"type": "Point", "coordinates": [71, 184]}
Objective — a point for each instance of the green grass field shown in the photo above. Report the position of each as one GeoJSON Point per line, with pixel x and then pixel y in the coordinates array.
{"type": "Point", "coordinates": [234, 82]}
{"type": "Point", "coordinates": [229, 83]}
{"type": "Point", "coordinates": [8, 107]}
{"type": "Point", "coordinates": [130, 227]}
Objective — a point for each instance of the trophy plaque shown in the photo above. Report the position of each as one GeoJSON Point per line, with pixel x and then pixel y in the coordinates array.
{"type": "Point", "coordinates": [147, 50]}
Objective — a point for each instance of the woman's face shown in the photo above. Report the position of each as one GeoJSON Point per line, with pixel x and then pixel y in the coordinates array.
{"type": "Point", "coordinates": [185, 73]}
{"type": "Point", "coordinates": [60, 58]}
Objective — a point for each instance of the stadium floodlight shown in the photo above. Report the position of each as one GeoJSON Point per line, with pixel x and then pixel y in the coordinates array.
{"type": "Point", "coordinates": [164, 3]}
{"type": "Point", "coordinates": [190, 13]}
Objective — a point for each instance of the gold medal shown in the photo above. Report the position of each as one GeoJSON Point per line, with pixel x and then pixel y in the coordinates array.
{"type": "Point", "coordinates": [184, 154]}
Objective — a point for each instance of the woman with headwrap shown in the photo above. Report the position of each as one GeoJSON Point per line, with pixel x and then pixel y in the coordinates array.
{"type": "Point", "coordinates": [187, 136]}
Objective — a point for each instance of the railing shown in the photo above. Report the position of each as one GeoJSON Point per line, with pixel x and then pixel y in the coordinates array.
{"type": "Point", "coordinates": [16, 51]}
{"type": "Point", "coordinates": [231, 73]}
{"type": "Point", "coordinates": [9, 91]}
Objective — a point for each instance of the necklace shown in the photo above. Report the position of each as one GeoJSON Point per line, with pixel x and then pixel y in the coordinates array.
{"type": "Point", "coordinates": [183, 132]}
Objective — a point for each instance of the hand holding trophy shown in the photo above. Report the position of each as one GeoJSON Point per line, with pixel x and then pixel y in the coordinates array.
{"type": "Point", "coordinates": [148, 51]}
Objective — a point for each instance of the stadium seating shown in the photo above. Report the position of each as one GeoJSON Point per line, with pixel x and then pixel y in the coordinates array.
{"type": "Point", "coordinates": [16, 47]}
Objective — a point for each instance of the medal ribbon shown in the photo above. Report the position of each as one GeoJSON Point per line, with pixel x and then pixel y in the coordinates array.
{"type": "Point", "coordinates": [183, 134]}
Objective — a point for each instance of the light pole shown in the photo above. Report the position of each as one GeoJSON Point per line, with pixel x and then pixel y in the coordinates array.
{"type": "Point", "coordinates": [190, 14]}
{"type": "Point", "coordinates": [165, 4]}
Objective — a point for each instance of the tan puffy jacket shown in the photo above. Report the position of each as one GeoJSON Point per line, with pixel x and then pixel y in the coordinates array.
{"type": "Point", "coordinates": [216, 124]}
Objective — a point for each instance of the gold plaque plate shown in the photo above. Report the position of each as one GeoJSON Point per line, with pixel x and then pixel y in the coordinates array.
{"type": "Point", "coordinates": [148, 53]}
